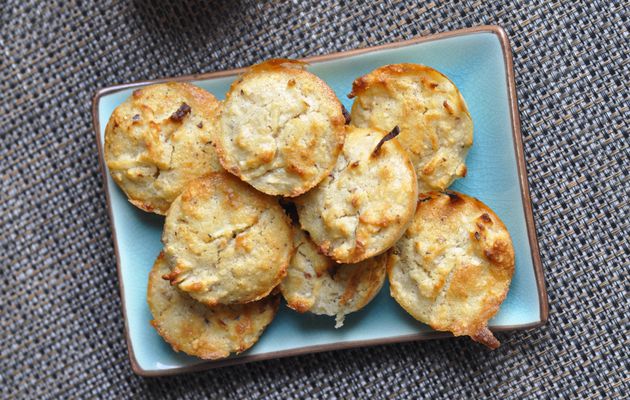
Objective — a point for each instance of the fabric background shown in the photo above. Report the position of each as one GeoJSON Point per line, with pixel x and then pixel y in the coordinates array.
{"type": "Point", "coordinates": [61, 324]}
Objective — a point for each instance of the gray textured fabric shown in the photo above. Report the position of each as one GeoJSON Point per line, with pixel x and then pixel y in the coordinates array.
{"type": "Point", "coordinates": [62, 329]}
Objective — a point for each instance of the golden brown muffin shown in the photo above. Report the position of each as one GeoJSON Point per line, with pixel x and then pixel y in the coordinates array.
{"type": "Point", "coordinates": [317, 284]}
{"type": "Point", "coordinates": [198, 330]}
{"type": "Point", "coordinates": [227, 243]}
{"type": "Point", "coordinates": [435, 125]}
{"type": "Point", "coordinates": [452, 268]}
{"type": "Point", "coordinates": [282, 128]}
{"type": "Point", "coordinates": [158, 140]}
{"type": "Point", "coordinates": [366, 203]}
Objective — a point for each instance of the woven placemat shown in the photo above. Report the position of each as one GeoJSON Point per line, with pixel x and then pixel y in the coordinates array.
{"type": "Point", "coordinates": [61, 326]}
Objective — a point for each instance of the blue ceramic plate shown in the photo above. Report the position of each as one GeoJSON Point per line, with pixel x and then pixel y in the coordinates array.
{"type": "Point", "coordinates": [478, 60]}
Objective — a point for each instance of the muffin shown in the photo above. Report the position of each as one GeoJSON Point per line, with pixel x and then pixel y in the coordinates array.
{"type": "Point", "coordinates": [198, 330]}
{"type": "Point", "coordinates": [158, 140]}
{"type": "Point", "coordinates": [452, 268]}
{"type": "Point", "coordinates": [281, 128]}
{"type": "Point", "coordinates": [366, 203]}
{"type": "Point", "coordinates": [226, 242]}
{"type": "Point", "coordinates": [435, 126]}
{"type": "Point", "coordinates": [317, 284]}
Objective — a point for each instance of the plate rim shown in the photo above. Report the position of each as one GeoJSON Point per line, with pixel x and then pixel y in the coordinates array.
{"type": "Point", "coordinates": [522, 175]}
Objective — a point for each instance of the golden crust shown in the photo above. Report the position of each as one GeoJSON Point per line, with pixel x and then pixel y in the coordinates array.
{"type": "Point", "coordinates": [366, 203]}
{"type": "Point", "coordinates": [435, 125]}
{"type": "Point", "coordinates": [453, 267]}
{"type": "Point", "coordinates": [198, 330]}
{"type": "Point", "coordinates": [227, 243]}
{"type": "Point", "coordinates": [159, 139]}
{"type": "Point", "coordinates": [317, 284]}
{"type": "Point", "coordinates": [282, 128]}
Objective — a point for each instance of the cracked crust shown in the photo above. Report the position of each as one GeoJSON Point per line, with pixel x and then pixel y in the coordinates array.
{"type": "Point", "coordinates": [227, 243]}
{"type": "Point", "coordinates": [317, 284]}
{"type": "Point", "coordinates": [282, 128]}
{"type": "Point", "coordinates": [198, 330]}
{"type": "Point", "coordinates": [435, 125]}
{"type": "Point", "coordinates": [159, 139]}
{"type": "Point", "coordinates": [367, 201]}
{"type": "Point", "coordinates": [453, 267]}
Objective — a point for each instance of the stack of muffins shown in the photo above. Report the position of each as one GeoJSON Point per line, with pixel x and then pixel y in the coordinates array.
{"type": "Point", "coordinates": [279, 191]}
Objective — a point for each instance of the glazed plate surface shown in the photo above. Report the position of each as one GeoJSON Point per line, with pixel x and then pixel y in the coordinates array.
{"type": "Point", "coordinates": [478, 60]}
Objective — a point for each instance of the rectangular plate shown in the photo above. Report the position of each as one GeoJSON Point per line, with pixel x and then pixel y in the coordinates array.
{"type": "Point", "coordinates": [479, 61]}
